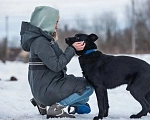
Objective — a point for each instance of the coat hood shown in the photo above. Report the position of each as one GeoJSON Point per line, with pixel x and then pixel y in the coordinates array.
{"type": "Point", "coordinates": [29, 33]}
{"type": "Point", "coordinates": [45, 18]}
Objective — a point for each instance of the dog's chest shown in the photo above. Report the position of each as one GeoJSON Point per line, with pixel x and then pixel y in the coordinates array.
{"type": "Point", "coordinates": [90, 70]}
{"type": "Point", "coordinates": [88, 65]}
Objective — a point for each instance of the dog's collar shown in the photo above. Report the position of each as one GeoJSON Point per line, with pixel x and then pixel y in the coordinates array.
{"type": "Point", "coordinates": [90, 51]}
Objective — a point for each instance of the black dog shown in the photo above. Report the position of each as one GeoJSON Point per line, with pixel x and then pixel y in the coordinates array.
{"type": "Point", "coordinates": [107, 72]}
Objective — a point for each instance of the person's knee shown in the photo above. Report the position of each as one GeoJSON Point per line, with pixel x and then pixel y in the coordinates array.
{"type": "Point", "coordinates": [89, 90]}
{"type": "Point", "coordinates": [86, 100]}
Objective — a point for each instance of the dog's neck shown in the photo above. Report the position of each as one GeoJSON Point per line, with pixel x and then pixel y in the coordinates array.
{"type": "Point", "coordinates": [90, 51]}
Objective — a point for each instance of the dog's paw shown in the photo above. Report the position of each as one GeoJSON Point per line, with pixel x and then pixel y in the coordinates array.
{"type": "Point", "coordinates": [135, 116]}
{"type": "Point", "coordinates": [97, 118]}
{"type": "Point", "coordinates": [106, 113]}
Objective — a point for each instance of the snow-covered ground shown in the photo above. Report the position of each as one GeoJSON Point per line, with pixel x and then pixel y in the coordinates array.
{"type": "Point", "coordinates": [15, 96]}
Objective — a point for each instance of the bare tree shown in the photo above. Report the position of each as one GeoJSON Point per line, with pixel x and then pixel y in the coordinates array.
{"type": "Point", "coordinates": [105, 25]}
{"type": "Point", "coordinates": [142, 26]}
{"type": "Point", "coordinates": [81, 23]}
{"type": "Point", "coordinates": [133, 27]}
{"type": "Point", "coordinates": [3, 50]}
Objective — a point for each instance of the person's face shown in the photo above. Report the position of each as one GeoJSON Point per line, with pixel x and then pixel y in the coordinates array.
{"type": "Point", "coordinates": [56, 27]}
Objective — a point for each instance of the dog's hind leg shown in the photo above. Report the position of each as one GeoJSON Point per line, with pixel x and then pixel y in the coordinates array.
{"type": "Point", "coordinates": [140, 97]}
{"type": "Point", "coordinates": [148, 98]}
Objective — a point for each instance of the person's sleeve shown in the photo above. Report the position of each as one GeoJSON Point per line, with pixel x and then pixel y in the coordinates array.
{"type": "Point", "coordinates": [45, 52]}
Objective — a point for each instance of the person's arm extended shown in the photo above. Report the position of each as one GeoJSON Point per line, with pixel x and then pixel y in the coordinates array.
{"type": "Point", "coordinates": [45, 52]}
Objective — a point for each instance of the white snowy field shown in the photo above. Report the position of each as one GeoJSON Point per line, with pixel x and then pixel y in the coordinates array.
{"type": "Point", "coordinates": [15, 96]}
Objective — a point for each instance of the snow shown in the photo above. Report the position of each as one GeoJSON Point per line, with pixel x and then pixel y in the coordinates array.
{"type": "Point", "coordinates": [15, 96]}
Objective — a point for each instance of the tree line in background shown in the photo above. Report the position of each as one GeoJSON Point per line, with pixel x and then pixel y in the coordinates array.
{"type": "Point", "coordinates": [112, 38]}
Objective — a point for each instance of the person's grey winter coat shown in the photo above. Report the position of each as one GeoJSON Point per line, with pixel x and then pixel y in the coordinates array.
{"type": "Point", "coordinates": [47, 64]}
{"type": "Point", "coordinates": [47, 67]}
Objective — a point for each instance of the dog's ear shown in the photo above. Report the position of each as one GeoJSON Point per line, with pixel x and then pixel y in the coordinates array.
{"type": "Point", "coordinates": [93, 37]}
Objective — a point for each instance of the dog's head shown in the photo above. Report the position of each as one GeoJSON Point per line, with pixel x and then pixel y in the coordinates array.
{"type": "Point", "coordinates": [88, 40]}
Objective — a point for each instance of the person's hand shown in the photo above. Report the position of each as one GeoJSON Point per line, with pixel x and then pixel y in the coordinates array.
{"type": "Point", "coordinates": [79, 45]}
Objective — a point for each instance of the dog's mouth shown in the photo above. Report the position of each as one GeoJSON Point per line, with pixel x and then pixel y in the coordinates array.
{"type": "Point", "coordinates": [72, 40]}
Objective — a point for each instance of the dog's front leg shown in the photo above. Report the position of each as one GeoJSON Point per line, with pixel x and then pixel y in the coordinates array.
{"type": "Point", "coordinates": [106, 103]}
{"type": "Point", "coordinates": [100, 94]}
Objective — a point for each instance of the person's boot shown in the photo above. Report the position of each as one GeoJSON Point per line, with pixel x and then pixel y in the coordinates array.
{"type": "Point", "coordinates": [57, 111]}
{"type": "Point", "coordinates": [41, 108]}
{"type": "Point", "coordinates": [80, 109]}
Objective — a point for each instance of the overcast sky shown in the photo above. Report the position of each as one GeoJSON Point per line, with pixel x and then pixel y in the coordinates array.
{"type": "Point", "coordinates": [20, 10]}
{"type": "Point", "coordinates": [66, 7]}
